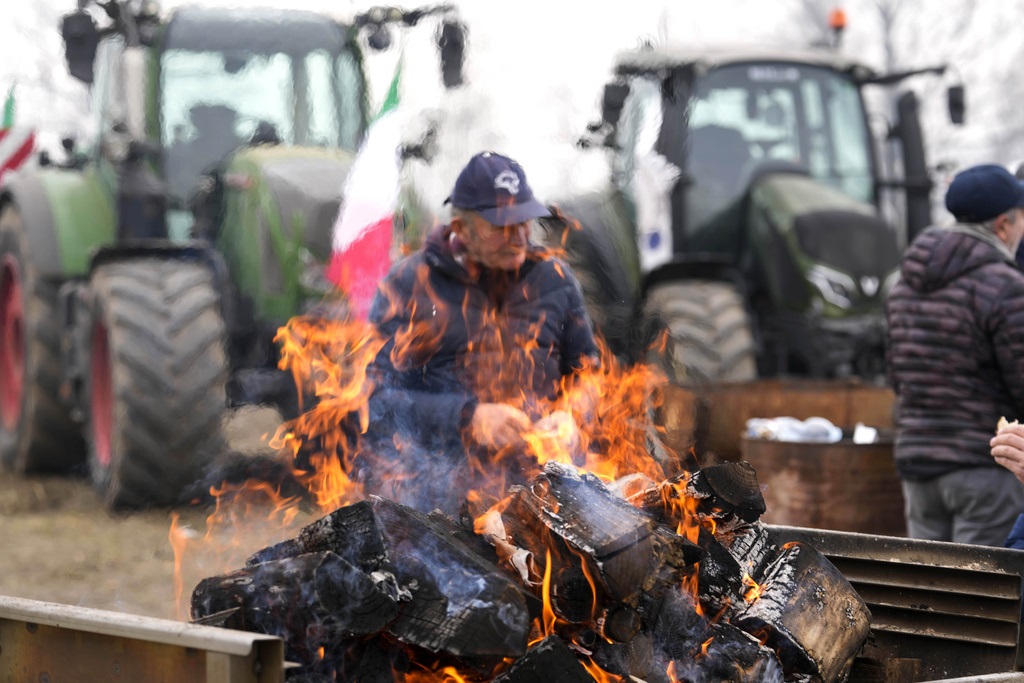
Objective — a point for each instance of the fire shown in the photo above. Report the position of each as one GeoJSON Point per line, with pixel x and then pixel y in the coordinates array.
{"type": "Point", "coordinates": [754, 590]}
{"type": "Point", "coordinates": [599, 420]}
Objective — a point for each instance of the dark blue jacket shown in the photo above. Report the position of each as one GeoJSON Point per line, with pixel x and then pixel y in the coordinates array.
{"type": "Point", "coordinates": [456, 339]}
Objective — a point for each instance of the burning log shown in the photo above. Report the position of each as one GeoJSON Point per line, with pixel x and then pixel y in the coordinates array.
{"type": "Point", "coordinates": [616, 539]}
{"type": "Point", "coordinates": [350, 531]}
{"type": "Point", "coordinates": [462, 604]}
{"type": "Point", "coordinates": [809, 613]}
{"type": "Point", "coordinates": [549, 660]}
{"type": "Point", "coordinates": [610, 578]}
{"type": "Point", "coordinates": [309, 600]}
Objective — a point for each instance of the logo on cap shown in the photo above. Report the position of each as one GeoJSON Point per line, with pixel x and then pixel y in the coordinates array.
{"type": "Point", "coordinates": [507, 180]}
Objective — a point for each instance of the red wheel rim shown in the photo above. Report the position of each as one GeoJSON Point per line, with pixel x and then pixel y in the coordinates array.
{"type": "Point", "coordinates": [101, 394]}
{"type": "Point", "coordinates": [12, 344]}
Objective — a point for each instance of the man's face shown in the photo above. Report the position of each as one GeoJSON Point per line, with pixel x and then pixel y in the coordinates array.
{"type": "Point", "coordinates": [1012, 229]}
{"type": "Point", "coordinates": [492, 246]}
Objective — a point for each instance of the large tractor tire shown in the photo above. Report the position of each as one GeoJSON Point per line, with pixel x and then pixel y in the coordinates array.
{"type": "Point", "coordinates": [705, 330]}
{"type": "Point", "coordinates": [36, 430]}
{"type": "Point", "coordinates": [158, 369]}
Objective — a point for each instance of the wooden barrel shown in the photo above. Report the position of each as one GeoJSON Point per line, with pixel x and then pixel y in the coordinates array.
{"type": "Point", "coordinates": [841, 486]}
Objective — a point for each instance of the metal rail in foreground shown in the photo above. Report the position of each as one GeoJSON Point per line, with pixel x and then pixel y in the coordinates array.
{"type": "Point", "coordinates": [52, 643]}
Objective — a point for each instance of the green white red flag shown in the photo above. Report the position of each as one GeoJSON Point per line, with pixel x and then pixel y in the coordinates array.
{"type": "Point", "coordinates": [364, 229]}
{"type": "Point", "coordinates": [16, 144]}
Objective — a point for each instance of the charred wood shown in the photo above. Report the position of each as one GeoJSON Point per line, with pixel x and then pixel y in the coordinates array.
{"type": "Point", "coordinates": [728, 489]}
{"type": "Point", "coordinates": [549, 660]}
{"type": "Point", "coordinates": [592, 520]}
{"type": "Point", "coordinates": [309, 600]}
{"type": "Point", "coordinates": [809, 614]}
{"type": "Point", "coordinates": [350, 532]}
{"type": "Point", "coordinates": [461, 604]}
{"type": "Point", "coordinates": [730, 654]}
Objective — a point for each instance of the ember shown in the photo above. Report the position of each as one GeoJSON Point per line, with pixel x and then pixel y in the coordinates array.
{"type": "Point", "coordinates": [604, 557]}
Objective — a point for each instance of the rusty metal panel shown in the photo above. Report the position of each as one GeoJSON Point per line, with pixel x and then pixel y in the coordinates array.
{"type": "Point", "coordinates": [53, 643]}
{"type": "Point", "coordinates": [953, 606]}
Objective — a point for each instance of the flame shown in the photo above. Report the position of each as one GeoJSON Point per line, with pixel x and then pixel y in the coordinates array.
{"type": "Point", "coordinates": [754, 589]}
{"type": "Point", "coordinates": [600, 419]}
{"type": "Point", "coordinates": [704, 647]}
{"type": "Point", "coordinates": [548, 617]}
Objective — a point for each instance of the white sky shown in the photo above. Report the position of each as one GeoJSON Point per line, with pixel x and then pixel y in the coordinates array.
{"type": "Point", "coordinates": [535, 69]}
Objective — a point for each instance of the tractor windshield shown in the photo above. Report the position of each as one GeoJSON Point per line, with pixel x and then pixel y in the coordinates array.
{"type": "Point", "coordinates": [745, 116]}
{"type": "Point", "coordinates": [257, 81]}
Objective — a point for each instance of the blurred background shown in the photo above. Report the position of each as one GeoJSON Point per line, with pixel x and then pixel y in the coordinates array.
{"type": "Point", "coordinates": [535, 70]}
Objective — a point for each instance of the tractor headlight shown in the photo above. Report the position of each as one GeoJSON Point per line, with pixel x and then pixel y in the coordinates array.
{"type": "Point", "coordinates": [835, 287]}
{"type": "Point", "coordinates": [312, 277]}
{"type": "Point", "coordinates": [890, 281]}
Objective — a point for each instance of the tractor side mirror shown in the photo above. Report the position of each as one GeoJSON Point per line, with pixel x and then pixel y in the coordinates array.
{"type": "Point", "coordinates": [612, 101]}
{"type": "Point", "coordinates": [81, 37]}
{"type": "Point", "coordinates": [956, 99]}
{"type": "Point", "coordinates": [451, 41]}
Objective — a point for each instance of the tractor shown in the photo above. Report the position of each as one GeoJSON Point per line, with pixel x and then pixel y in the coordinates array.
{"type": "Point", "coordinates": [741, 234]}
{"type": "Point", "coordinates": [143, 282]}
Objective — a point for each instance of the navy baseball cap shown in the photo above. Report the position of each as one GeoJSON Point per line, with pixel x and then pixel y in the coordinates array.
{"type": "Point", "coordinates": [981, 193]}
{"type": "Point", "coordinates": [495, 187]}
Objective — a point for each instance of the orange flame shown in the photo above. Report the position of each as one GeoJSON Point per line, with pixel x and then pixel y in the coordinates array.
{"type": "Point", "coordinates": [754, 589]}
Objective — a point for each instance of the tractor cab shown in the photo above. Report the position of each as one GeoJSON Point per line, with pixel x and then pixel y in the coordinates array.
{"type": "Point", "coordinates": [748, 181]}
{"type": "Point", "coordinates": [232, 78]}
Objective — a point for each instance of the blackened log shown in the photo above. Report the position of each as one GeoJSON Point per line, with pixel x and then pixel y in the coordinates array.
{"type": "Point", "coordinates": [349, 531]}
{"type": "Point", "coordinates": [465, 535]}
{"type": "Point", "coordinates": [677, 626]}
{"type": "Point", "coordinates": [725, 653]}
{"type": "Point", "coordinates": [730, 488]}
{"type": "Point", "coordinates": [549, 660]}
{"type": "Point", "coordinates": [572, 595]}
{"type": "Point", "coordinates": [809, 612]}
{"type": "Point", "coordinates": [720, 577]}
{"type": "Point", "coordinates": [751, 545]}
{"type": "Point", "coordinates": [309, 600]}
{"type": "Point", "coordinates": [461, 603]}
{"type": "Point", "coordinates": [600, 525]}
{"type": "Point", "coordinates": [620, 623]}
{"type": "Point", "coordinates": [636, 659]}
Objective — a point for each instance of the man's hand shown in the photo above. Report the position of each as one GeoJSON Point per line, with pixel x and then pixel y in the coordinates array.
{"type": "Point", "coordinates": [1008, 449]}
{"type": "Point", "coordinates": [498, 425]}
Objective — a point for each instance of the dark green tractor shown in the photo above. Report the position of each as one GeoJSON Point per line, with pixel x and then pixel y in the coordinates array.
{"type": "Point", "coordinates": [142, 283]}
{"type": "Point", "coordinates": [742, 234]}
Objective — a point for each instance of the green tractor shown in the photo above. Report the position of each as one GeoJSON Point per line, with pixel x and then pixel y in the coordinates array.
{"type": "Point", "coordinates": [742, 233]}
{"type": "Point", "coordinates": [142, 283]}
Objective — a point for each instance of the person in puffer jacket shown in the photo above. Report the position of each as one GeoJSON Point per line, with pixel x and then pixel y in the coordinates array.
{"type": "Point", "coordinates": [483, 328]}
{"type": "Point", "coordinates": [955, 351]}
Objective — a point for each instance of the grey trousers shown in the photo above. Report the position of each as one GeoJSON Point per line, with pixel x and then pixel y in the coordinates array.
{"type": "Point", "coordinates": [976, 505]}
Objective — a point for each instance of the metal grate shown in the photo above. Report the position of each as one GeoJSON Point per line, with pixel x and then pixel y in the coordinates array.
{"type": "Point", "coordinates": [955, 607]}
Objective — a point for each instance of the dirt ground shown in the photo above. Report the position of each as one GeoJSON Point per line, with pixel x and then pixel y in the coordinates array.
{"type": "Point", "coordinates": [59, 544]}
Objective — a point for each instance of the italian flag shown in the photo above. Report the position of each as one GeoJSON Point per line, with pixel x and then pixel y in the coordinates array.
{"type": "Point", "coordinates": [363, 232]}
{"type": "Point", "coordinates": [16, 144]}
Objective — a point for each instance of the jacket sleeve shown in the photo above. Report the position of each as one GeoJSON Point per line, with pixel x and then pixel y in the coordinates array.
{"type": "Point", "coordinates": [578, 342]}
{"type": "Point", "coordinates": [1008, 341]}
{"type": "Point", "coordinates": [400, 406]}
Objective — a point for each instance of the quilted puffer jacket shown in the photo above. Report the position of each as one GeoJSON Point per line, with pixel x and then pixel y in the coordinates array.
{"type": "Point", "coordinates": [454, 339]}
{"type": "Point", "coordinates": [955, 351]}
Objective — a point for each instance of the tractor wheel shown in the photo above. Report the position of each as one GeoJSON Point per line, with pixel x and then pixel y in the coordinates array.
{"type": "Point", "coordinates": [157, 376]}
{"type": "Point", "coordinates": [36, 430]}
{"type": "Point", "coordinates": [709, 336]}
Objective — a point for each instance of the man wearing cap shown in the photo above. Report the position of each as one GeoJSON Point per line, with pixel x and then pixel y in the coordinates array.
{"type": "Point", "coordinates": [482, 328]}
{"type": "Point", "coordinates": [956, 361]}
